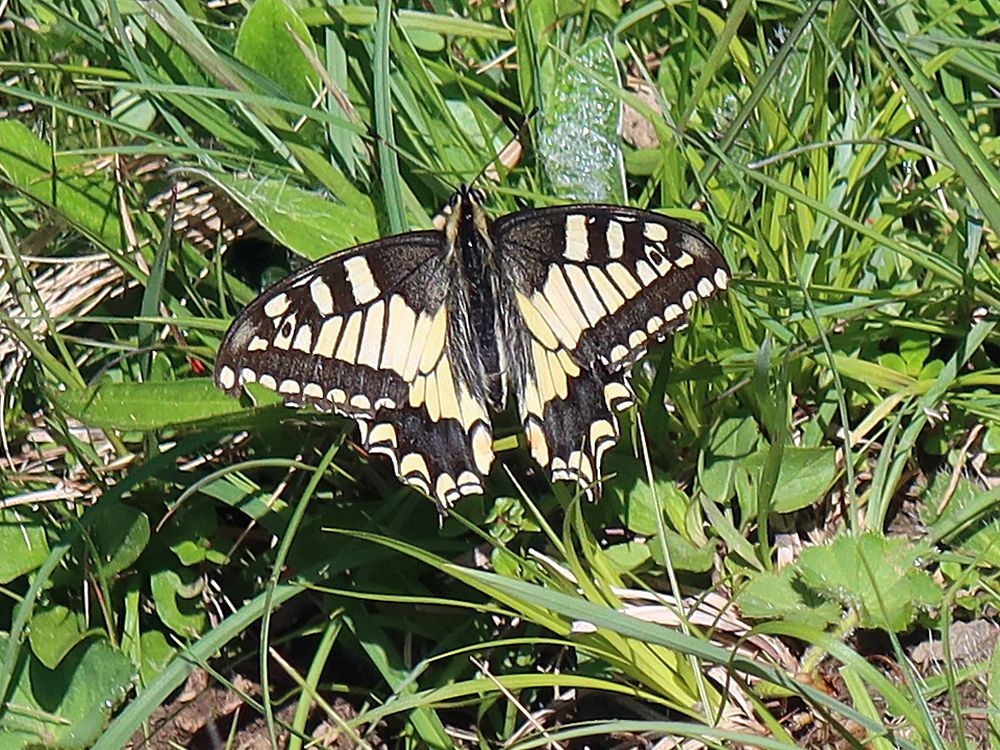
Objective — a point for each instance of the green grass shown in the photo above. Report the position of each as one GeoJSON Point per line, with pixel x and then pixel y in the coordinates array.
{"type": "Point", "coordinates": [806, 490]}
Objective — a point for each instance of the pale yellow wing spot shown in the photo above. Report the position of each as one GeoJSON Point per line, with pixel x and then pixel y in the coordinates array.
{"type": "Point", "coordinates": [647, 274]}
{"type": "Point", "coordinates": [286, 329]}
{"type": "Point", "coordinates": [414, 471]}
{"type": "Point", "coordinates": [560, 378]}
{"type": "Point", "coordinates": [591, 304]}
{"type": "Point", "coordinates": [655, 232]}
{"type": "Point", "coordinates": [417, 346]}
{"type": "Point", "coordinates": [544, 309]}
{"type": "Point", "coordinates": [482, 448]}
{"type": "Point", "coordinates": [434, 344]}
{"type": "Point", "coordinates": [303, 339]}
{"type": "Point", "coordinates": [328, 336]}
{"type": "Point", "coordinates": [445, 487]}
{"type": "Point", "coordinates": [277, 306]}
{"type": "Point", "coordinates": [448, 395]}
{"type": "Point", "coordinates": [537, 443]}
{"type": "Point", "coordinates": [615, 236]}
{"type": "Point", "coordinates": [321, 295]}
{"type": "Point", "coordinates": [431, 397]}
{"type": "Point", "coordinates": [383, 433]}
{"type": "Point", "coordinates": [568, 365]}
{"type": "Point", "coordinates": [348, 349]}
{"type": "Point", "coordinates": [556, 290]}
{"type": "Point", "coordinates": [540, 362]}
{"type": "Point", "coordinates": [471, 410]}
{"type": "Point", "coordinates": [399, 333]}
{"type": "Point", "coordinates": [370, 351]}
{"type": "Point", "coordinates": [359, 276]}
{"type": "Point", "coordinates": [535, 323]}
{"type": "Point", "coordinates": [532, 400]}
{"type": "Point", "coordinates": [577, 247]}
{"type": "Point", "coordinates": [625, 280]}
{"type": "Point", "coordinates": [418, 387]}
{"type": "Point", "coordinates": [610, 295]}
{"type": "Point", "coordinates": [258, 344]}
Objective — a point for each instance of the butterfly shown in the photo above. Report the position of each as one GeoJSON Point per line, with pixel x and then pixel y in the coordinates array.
{"type": "Point", "coordinates": [422, 337]}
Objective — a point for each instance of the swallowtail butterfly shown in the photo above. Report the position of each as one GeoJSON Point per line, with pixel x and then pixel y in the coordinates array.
{"type": "Point", "coordinates": [422, 336]}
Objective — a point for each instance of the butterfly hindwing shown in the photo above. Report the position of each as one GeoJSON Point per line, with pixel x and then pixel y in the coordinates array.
{"type": "Point", "coordinates": [368, 334]}
{"type": "Point", "coordinates": [594, 285]}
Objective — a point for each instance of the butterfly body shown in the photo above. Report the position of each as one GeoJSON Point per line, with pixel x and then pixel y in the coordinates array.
{"type": "Point", "coordinates": [421, 337]}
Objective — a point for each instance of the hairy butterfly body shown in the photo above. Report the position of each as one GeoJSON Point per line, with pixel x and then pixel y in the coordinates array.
{"type": "Point", "coordinates": [422, 336]}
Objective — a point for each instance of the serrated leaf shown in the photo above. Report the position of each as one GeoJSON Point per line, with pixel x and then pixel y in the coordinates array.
{"type": "Point", "coordinates": [23, 546]}
{"type": "Point", "coordinates": [781, 596]}
{"type": "Point", "coordinates": [876, 576]}
{"type": "Point", "coordinates": [147, 406]}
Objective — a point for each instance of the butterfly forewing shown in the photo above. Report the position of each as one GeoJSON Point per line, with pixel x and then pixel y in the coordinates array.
{"type": "Point", "coordinates": [368, 333]}
{"type": "Point", "coordinates": [594, 285]}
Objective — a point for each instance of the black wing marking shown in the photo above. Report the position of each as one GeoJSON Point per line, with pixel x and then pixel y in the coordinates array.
{"type": "Point", "coordinates": [367, 333]}
{"type": "Point", "coordinates": [594, 285]}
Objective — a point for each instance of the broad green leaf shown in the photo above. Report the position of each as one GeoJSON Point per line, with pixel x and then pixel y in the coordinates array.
{"type": "Point", "coordinates": [878, 577]}
{"type": "Point", "coordinates": [147, 406]}
{"type": "Point", "coordinates": [628, 556]}
{"type": "Point", "coordinates": [68, 707]}
{"type": "Point", "coordinates": [732, 442]}
{"type": "Point", "coordinates": [55, 631]}
{"type": "Point", "coordinates": [23, 546]}
{"type": "Point", "coordinates": [683, 554]}
{"type": "Point", "coordinates": [269, 43]}
{"type": "Point", "coordinates": [176, 595]}
{"type": "Point", "coordinates": [630, 488]}
{"type": "Point", "coordinates": [83, 194]}
{"type": "Point", "coordinates": [304, 222]}
{"type": "Point", "coordinates": [805, 476]}
{"type": "Point", "coordinates": [156, 654]}
{"type": "Point", "coordinates": [782, 596]}
{"type": "Point", "coordinates": [120, 534]}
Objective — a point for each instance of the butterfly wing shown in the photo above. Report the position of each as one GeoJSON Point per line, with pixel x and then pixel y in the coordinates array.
{"type": "Point", "coordinates": [367, 333]}
{"type": "Point", "coordinates": [594, 286]}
